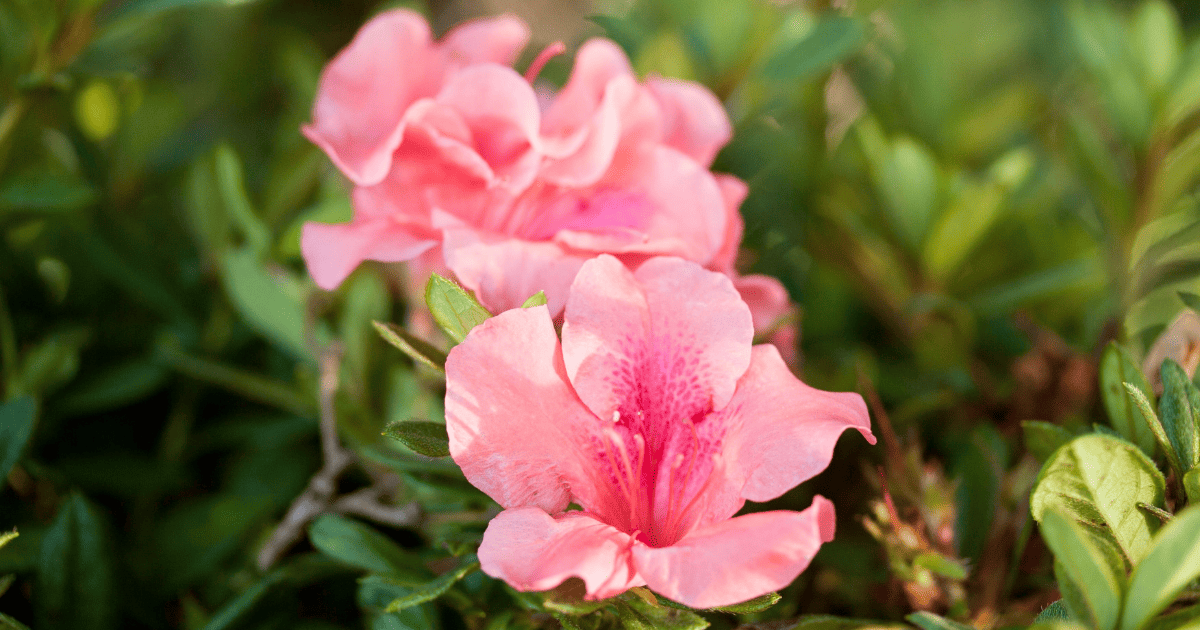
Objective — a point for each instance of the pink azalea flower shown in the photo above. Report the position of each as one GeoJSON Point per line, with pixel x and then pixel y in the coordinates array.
{"type": "Point", "coordinates": [656, 416]}
{"type": "Point", "coordinates": [456, 158]}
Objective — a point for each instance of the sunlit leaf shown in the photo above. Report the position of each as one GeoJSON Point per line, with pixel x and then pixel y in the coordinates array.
{"type": "Point", "coordinates": [455, 310]}
{"type": "Point", "coordinates": [1179, 412]}
{"type": "Point", "coordinates": [1116, 369]}
{"type": "Point", "coordinates": [426, 438]}
{"type": "Point", "coordinates": [1094, 567]}
{"type": "Point", "coordinates": [417, 349]}
{"type": "Point", "coordinates": [1173, 562]}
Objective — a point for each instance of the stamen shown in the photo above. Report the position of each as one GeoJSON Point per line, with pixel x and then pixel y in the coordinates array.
{"type": "Point", "coordinates": [539, 62]}
{"type": "Point", "coordinates": [616, 417]}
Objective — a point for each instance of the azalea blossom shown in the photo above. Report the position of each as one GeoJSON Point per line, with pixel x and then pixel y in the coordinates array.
{"type": "Point", "coordinates": [656, 416]}
{"type": "Point", "coordinates": [461, 164]}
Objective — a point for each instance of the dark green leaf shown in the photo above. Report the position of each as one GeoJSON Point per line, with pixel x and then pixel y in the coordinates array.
{"type": "Point", "coordinates": [417, 349]}
{"type": "Point", "coordinates": [1054, 612]}
{"type": "Point", "coordinates": [1096, 569]}
{"type": "Point", "coordinates": [568, 598]}
{"type": "Point", "coordinates": [1116, 369]}
{"type": "Point", "coordinates": [829, 622]}
{"type": "Point", "coordinates": [1156, 427]}
{"type": "Point", "coordinates": [74, 581]}
{"type": "Point", "coordinates": [430, 591]}
{"type": "Point", "coordinates": [1179, 411]}
{"type": "Point", "coordinates": [16, 427]}
{"type": "Point", "coordinates": [361, 546]}
{"type": "Point", "coordinates": [1173, 562]}
{"type": "Point", "coordinates": [455, 310]}
{"type": "Point", "coordinates": [1186, 619]}
{"type": "Point", "coordinates": [1190, 300]}
{"type": "Point", "coordinates": [636, 613]}
{"type": "Point", "coordinates": [8, 623]}
{"type": "Point", "coordinates": [1099, 480]}
{"type": "Point", "coordinates": [930, 621]}
{"type": "Point", "coordinates": [1043, 438]}
{"type": "Point", "coordinates": [271, 301]}
{"type": "Point", "coordinates": [831, 41]}
{"type": "Point", "coordinates": [758, 604]}
{"type": "Point", "coordinates": [44, 191]}
{"type": "Point", "coordinates": [426, 438]}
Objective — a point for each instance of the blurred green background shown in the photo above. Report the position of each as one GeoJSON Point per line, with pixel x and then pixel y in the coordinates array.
{"type": "Point", "coordinates": [967, 200]}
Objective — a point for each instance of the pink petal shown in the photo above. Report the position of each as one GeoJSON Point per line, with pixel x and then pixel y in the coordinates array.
{"type": "Point", "coordinates": [781, 432]}
{"type": "Point", "coordinates": [516, 429]}
{"type": "Point", "coordinates": [597, 62]}
{"type": "Point", "coordinates": [363, 94]}
{"type": "Point", "coordinates": [619, 325]}
{"type": "Point", "coordinates": [737, 559]}
{"type": "Point", "coordinates": [767, 298]}
{"type": "Point", "coordinates": [693, 120]}
{"type": "Point", "coordinates": [504, 272]}
{"type": "Point", "coordinates": [495, 40]}
{"type": "Point", "coordinates": [585, 164]}
{"type": "Point", "coordinates": [333, 251]}
{"type": "Point", "coordinates": [733, 192]}
{"type": "Point", "coordinates": [532, 551]}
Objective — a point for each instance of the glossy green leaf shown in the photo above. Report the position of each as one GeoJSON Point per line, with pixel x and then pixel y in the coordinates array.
{"type": "Point", "coordinates": [1098, 481]}
{"type": "Point", "coordinates": [360, 545]}
{"type": "Point", "coordinates": [1156, 427]}
{"type": "Point", "coordinates": [1179, 412]}
{"type": "Point", "coordinates": [455, 310]}
{"type": "Point", "coordinates": [1173, 562]}
{"type": "Point", "coordinates": [426, 438]}
{"type": "Point", "coordinates": [1054, 612]}
{"type": "Point", "coordinates": [430, 591]}
{"type": "Point", "coordinates": [1096, 569]}
{"type": "Point", "coordinates": [1116, 369]}
{"type": "Point", "coordinates": [930, 621]}
{"type": "Point", "coordinates": [831, 41]}
{"type": "Point", "coordinates": [758, 604]}
{"type": "Point", "coordinates": [417, 349]}
{"type": "Point", "coordinates": [16, 427]}
{"type": "Point", "coordinates": [1043, 438]}
{"type": "Point", "coordinates": [75, 582]}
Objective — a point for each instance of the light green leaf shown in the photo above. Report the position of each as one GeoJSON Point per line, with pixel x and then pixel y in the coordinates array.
{"type": "Point", "coordinates": [455, 310]}
{"type": "Point", "coordinates": [1099, 480]}
{"type": "Point", "coordinates": [1173, 562]}
{"type": "Point", "coordinates": [964, 222]}
{"type": "Point", "coordinates": [1191, 485]}
{"type": "Point", "coordinates": [432, 590]}
{"type": "Point", "coordinates": [1179, 411]}
{"type": "Point", "coordinates": [7, 537]}
{"type": "Point", "coordinates": [758, 604]}
{"type": "Point", "coordinates": [1093, 567]}
{"type": "Point", "coordinates": [908, 183]}
{"type": "Point", "coordinates": [418, 350]}
{"type": "Point", "coordinates": [426, 438]}
{"type": "Point", "coordinates": [1116, 369]}
{"type": "Point", "coordinates": [271, 301]}
{"type": "Point", "coordinates": [941, 565]}
{"type": "Point", "coordinates": [16, 427]}
{"type": "Point", "coordinates": [930, 621]}
{"type": "Point", "coordinates": [232, 187]}
{"type": "Point", "coordinates": [361, 546]}
{"type": "Point", "coordinates": [1186, 619]}
{"type": "Point", "coordinates": [1157, 42]}
{"type": "Point", "coordinates": [1151, 419]}
{"type": "Point", "coordinates": [74, 580]}
{"type": "Point", "coordinates": [831, 41]}
{"type": "Point", "coordinates": [537, 299]}
{"type": "Point", "coordinates": [1043, 438]}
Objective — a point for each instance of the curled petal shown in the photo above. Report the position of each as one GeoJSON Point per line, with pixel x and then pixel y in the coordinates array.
{"type": "Point", "coordinates": [767, 298]}
{"type": "Point", "coordinates": [781, 432]}
{"type": "Point", "coordinates": [504, 272]}
{"type": "Point", "coordinates": [534, 551]}
{"type": "Point", "coordinates": [738, 559]}
{"type": "Point", "coordinates": [491, 40]}
{"type": "Point", "coordinates": [333, 251]}
{"type": "Point", "coordinates": [694, 121]}
{"type": "Point", "coordinates": [516, 429]}
{"type": "Point", "coordinates": [361, 98]}
{"type": "Point", "coordinates": [597, 62]}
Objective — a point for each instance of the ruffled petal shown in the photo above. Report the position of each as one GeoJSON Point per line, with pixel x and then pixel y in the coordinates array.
{"type": "Point", "coordinates": [597, 62]}
{"type": "Point", "coordinates": [586, 163]}
{"type": "Point", "coordinates": [671, 325]}
{"type": "Point", "coordinates": [516, 429]}
{"type": "Point", "coordinates": [504, 272]}
{"type": "Point", "coordinates": [533, 551]}
{"type": "Point", "coordinates": [737, 559]}
{"type": "Point", "coordinates": [490, 40]}
{"type": "Point", "coordinates": [361, 98]}
{"type": "Point", "coordinates": [780, 432]}
{"type": "Point", "coordinates": [767, 298]}
{"type": "Point", "coordinates": [693, 120]}
{"type": "Point", "coordinates": [733, 192]}
{"type": "Point", "coordinates": [333, 251]}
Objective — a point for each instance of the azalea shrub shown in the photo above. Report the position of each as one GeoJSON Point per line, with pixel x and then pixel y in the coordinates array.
{"type": "Point", "coordinates": [598, 315]}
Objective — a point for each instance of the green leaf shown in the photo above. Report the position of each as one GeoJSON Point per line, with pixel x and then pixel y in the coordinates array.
{"type": "Point", "coordinates": [636, 613]}
{"type": "Point", "coordinates": [422, 436]}
{"type": "Point", "coordinates": [361, 546]}
{"type": "Point", "coordinates": [1151, 419]}
{"type": "Point", "coordinates": [1054, 612]}
{"type": "Point", "coordinates": [74, 580]}
{"type": "Point", "coordinates": [1043, 438]}
{"type": "Point", "coordinates": [8, 623]}
{"type": "Point", "coordinates": [758, 604]}
{"type": "Point", "coordinates": [941, 565]}
{"type": "Point", "coordinates": [1173, 562]}
{"type": "Point", "coordinates": [44, 191]}
{"type": "Point", "coordinates": [568, 598]}
{"type": "Point", "coordinates": [1179, 411]}
{"type": "Point", "coordinates": [16, 427]}
{"type": "Point", "coordinates": [430, 591]}
{"type": "Point", "coordinates": [455, 310]}
{"type": "Point", "coordinates": [1099, 480]}
{"type": "Point", "coordinates": [1186, 619]}
{"type": "Point", "coordinates": [271, 301]}
{"type": "Point", "coordinates": [7, 537]}
{"type": "Point", "coordinates": [930, 621]}
{"type": "Point", "coordinates": [1157, 42]}
{"type": "Point", "coordinates": [1159, 513]}
{"type": "Point", "coordinates": [417, 349]}
{"type": "Point", "coordinates": [537, 299]}
{"type": "Point", "coordinates": [964, 222]}
{"type": "Point", "coordinates": [1116, 369]}
{"type": "Point", "coordinates": [908, 183]}
{"type": "Point", "coordinates": [831, 41]}
{"type": "Point", "coordinates": [1093, 567]}
{"type": "Point", "coordinates": [1191, 485]}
